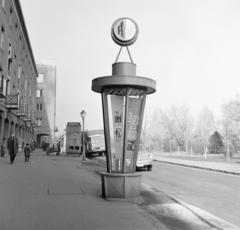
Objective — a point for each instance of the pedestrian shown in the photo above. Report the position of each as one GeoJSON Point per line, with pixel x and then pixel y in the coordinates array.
{"type": "Point", "coordinates": [23, 145]}
{"type": "Point", "coordinates": [43, 145]}
{"type": "Point", "coordinates": [47, 144]}
{"type": "Point", "coordinates": [12, 145]}
{"type": "Point", "coordinates": [4, 148]}
{"type": "Point", "coordinates": [32, 146]}
{"type": "Point", "coordinates": [58, 148]}
{"type": "Point", "coordinates": [27, 152]}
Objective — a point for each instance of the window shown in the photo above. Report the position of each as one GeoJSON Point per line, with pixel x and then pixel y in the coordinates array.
{"type": "Point", "coordinates": [39, 107]}
{"type": "Point", "coordinates": [10, 19]}
{"type": "Point", "coordinates": [25, 87]}
{"type": "Point", "coordinates": [3, 4]}
{"type": "Point", "coordinates": [14, 89]}
{"type": "Point", "coordinates": [20, 43]}
{"type": "Point", "coordinates": [8, 87]}
{"type": "Point", "coordinates": [1, 80]}
{"type": "Point", "coordinates": [9, 49]}
{"type": "Point", "coordinates": [10, 60]}
{"type": "Point", "coordinates": [19, 73]}
{"type": "Point", "coordinates": [2, 37]}
{"type": "Point", "coordinates": [39, 121]}
{"type": "Point", "coordinates": [40, 78]}
{"type": "Point", "coordinates": [25, 84]}
{"type": "Point", "coordinates": [19, 70]}
{"type": "Point", "coordinates": [39, 93]}
{"type": "Point", "coordinates": [33, 101]}
{"type": "Point", "coordinates": [16, 32]}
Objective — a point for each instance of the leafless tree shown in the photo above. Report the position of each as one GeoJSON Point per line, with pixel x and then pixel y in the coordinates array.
{"type": "Point", "coordinates": [176, 124]}
{"type": "Point", "coordinates": [184, 123]}
{"type": "Point", "coordinates": [206, 126]}
{"type": "Point", "coordinates": [231, 124]}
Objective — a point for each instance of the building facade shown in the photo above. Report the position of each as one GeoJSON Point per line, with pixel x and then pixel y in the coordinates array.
{"type": "Point", "coordinates": [18, 75]}
{"type": "Point", "coordinates": [46, 102]}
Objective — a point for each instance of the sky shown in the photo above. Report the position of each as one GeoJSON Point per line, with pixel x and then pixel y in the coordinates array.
{"type": "Point", "coordinates": [190, 48]}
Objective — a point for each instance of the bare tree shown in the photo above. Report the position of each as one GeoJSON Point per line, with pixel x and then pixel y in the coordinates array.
{"type": "Point", "coordinates": [231, 124]}
{"type": "Point", "coordinates": [184, 123]}
{"type": "Point", "coordinates": [176, 123]}
{"type": "Point", "coordinates": [151, 131]}
{"type": "Point", "coordinates": [206, 126]}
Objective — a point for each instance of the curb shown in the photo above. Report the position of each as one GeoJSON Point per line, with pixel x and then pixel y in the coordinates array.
{"type": "Point", "coordinates": [199, 167]}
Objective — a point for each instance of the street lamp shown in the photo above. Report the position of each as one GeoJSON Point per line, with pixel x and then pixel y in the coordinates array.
{"type": "Point", "coordinates": [83, 115]}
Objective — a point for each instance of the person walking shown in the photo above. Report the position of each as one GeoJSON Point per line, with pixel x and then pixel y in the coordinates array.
{"type": "Point", "coordinates": [23, 145]}
{"type": "Point", "coordinates": [12, 145]}
{"type": "Point", "coordinates": [27, 152]}
{"type": "Point", "coordinates": [4, 147]}
{"type": "Point", "coordinates": [58, 148]}
{"type": "Point", "coordinates": [32, 146]}
{"type": "Point", "coordinates": [35, 144]}
{"type": "Point", "coordinates": [43, 145]}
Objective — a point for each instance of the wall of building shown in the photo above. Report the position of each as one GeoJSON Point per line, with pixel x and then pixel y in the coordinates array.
{"type": "Point", "coordinates": [18, 73]}
{"type": "Point", "coordinates": [45, 131]}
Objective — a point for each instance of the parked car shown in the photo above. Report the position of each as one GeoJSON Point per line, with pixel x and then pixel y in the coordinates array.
{"type": "Point", "coordinates": [145, 159]}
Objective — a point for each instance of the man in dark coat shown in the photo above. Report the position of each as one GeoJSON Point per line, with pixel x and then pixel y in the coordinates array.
{"type": "Point", "coordinates": [12, 145]}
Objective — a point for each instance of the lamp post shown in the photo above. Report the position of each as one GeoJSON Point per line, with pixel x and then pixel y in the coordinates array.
{"type": "Point", "coordinates": [83, 115]}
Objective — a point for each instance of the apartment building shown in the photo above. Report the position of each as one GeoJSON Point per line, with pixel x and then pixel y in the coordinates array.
{"type": "Point", "coordinates": [46, 102]}
{"type": "Point", "coordinates": [18, 75]}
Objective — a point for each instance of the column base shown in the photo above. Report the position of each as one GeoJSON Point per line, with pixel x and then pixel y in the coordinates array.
{"type": "Point", "coordinates": [120, 186]}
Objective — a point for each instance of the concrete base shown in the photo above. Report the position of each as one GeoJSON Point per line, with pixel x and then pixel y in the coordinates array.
{"type": "Point", "coordinates": [122, 186]}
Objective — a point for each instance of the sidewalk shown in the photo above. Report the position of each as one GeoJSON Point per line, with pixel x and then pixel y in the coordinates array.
{"type": "Point", "coordinates": [64, 193]}
{"type": "Point", "coordinates": [61, 193]}
{"type": "Point", "coordinates": [213, 166]}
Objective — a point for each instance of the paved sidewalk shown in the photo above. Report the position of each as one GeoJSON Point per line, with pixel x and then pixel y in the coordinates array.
{"type": "Point", "coordinates": [218, 167]}
{"type": "Point", "coordinates": [62, 193]}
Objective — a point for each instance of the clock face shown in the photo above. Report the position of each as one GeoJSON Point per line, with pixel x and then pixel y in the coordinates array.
{"type": "Point", "coordinates": [124, 31]}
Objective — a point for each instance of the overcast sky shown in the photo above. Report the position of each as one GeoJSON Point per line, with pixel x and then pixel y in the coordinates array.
{"type": "Point", "coordinates": [191, 48]}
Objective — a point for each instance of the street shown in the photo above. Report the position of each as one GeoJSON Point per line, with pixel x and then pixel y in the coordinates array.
{"type": "Point", "coordinates": [216, 193]}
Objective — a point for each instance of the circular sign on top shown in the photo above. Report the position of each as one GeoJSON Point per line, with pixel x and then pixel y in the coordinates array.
{"type": "Point", "coordinates": [124, 31]}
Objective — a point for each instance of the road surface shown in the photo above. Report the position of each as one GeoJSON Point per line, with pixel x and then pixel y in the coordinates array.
{"type": "Point", "coordinates": [216, 193]}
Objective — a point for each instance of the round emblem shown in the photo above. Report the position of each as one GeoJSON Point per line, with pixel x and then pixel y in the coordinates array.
{"type": "Point", "coordinates": [124, 31]}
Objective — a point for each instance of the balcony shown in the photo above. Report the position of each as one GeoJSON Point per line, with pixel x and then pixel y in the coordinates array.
{"type": "Point", "coordinates": [21, 113]}
{"type": "Point", "coordinates": [33, 122]}
{"type": "Point", "coordinates": [12, 102]}
{"type": "Point", "coordinates": [27, 118]}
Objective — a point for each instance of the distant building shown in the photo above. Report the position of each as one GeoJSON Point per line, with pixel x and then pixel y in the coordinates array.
{"type": "Point", "coordinates": [46, 102]}
{"type": "Point", "coordinates": [18, 74]}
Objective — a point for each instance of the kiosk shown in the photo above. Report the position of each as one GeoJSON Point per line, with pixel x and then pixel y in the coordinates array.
{"type": "Point", "coordinates": [123, 102]}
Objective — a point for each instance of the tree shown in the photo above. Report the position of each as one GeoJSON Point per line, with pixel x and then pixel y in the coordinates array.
{"type": "Point", "coordinates": [216, 142]}
{"type": "Point", "coordinates": [176, 125]}
{"type": "Point", "coordinates": [231, 125]}
{"type": "Point", "coordinates": [184, 123]}
{"type": "Point", "coordinates": [206, 125]}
